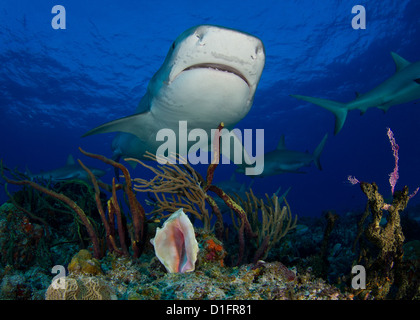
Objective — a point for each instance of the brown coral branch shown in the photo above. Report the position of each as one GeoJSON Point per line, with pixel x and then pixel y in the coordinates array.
{"type": "Point", "coordinates": [275, 222]}
{"type": "Point", "coordinates": [137, 211]}
{"type": "Point", "coordinates": [86, 222]}
{"type": "Point", "coordinates": [241, 239]}
{"type": "Point", "coordinates": [30, 214]}
{"type": "Point", "coordinates": [237, 208]}
{"type": "Point", "coordinates": [216, 157]}
{"type": "Point", "coordinates": [218, 226]}
{"type": "Point", "coordinates": [117, 211]}
{"type": "Point", "coordinates": [262, 250]}
{"type": "Point", "coordinates": [112, 246]}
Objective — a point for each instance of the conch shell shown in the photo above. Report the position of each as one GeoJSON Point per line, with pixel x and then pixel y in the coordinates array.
{"type": "Point", "coordinates": [175, 243]}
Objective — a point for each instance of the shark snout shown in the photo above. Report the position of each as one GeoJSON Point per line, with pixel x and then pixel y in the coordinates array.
{"type": "Point", "coordinates": [219, 48]}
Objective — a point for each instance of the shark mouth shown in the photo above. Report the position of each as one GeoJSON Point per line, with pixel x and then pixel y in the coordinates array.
{"type": "Point", "coordinates": [219, 67]}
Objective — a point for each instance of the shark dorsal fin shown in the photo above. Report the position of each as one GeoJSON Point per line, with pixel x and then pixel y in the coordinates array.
{"type": "Point", "coordinates": [281, 145]}
{"type": "Point", "coordinates": [400, 63]}
{"type": "Point", "coordinates": [70, 160]}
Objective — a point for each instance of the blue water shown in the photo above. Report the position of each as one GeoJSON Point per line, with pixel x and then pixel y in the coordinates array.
{"type": "Point", "coordinates": [57, 84]}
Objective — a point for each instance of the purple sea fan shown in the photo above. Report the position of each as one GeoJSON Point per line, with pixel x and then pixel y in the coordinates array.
{"type": "Point", "coordinates": [393, 176]}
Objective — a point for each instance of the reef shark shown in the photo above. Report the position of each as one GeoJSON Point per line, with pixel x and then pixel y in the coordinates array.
{"type": "Point", "coordinates": [209, 76]}
{"type": "Point", "coordinates": [402, 87]}
{"type": "Point", "coordinates": [282, 160]}
{"type": "Point", "coordinates": [70, 171]}
{"type": "Point", "coordinates": [233, 186]}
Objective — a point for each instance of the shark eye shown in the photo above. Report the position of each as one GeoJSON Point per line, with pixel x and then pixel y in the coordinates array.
{"type": "Point", "coordinates": [258, 51]}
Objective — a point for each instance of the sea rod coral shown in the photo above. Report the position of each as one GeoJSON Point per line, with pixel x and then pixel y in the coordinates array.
{"type": "Point", "coordinates": [384, 266]}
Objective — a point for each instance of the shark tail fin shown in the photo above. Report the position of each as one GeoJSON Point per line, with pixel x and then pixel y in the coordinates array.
{"type": "Point", "coordinates": [339, 109]}
{"type": "Point", "coordinates": [318, 151]}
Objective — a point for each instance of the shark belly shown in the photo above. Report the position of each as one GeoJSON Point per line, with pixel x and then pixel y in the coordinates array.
{"type": "Point", "coordinates": [204, 98]}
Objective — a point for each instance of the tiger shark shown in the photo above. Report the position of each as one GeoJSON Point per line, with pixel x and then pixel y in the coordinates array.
{"type": "Point", "coordinates": [282, 160]}
{"type": "Point", "coordinates": [402, 87]}
{"type": "Point", "coordinates": [209, 76]}
{"type": "Point", "coordinates": [70, 171]}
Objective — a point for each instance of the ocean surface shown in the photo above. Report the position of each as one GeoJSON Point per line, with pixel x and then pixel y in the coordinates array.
{"type": "Point", "coordinates": [58, 84]}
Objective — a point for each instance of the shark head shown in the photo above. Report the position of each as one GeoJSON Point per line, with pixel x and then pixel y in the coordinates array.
{"type": "Point", "coordinates": [209, 76]}
{"type": "Point", "coordinates": [209, 71]}
{"type": "Point", "coordinates": [218, 49]}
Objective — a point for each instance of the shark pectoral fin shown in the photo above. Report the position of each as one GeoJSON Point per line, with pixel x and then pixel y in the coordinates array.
{"type": "Point", "coordinates": [318, 151]}
{"type": "Point", "coordinates": [385, 108]}
{"type": "Point", "coordinates": [132, 124]}
{"type": "Point", "coordinates": [339, 109]}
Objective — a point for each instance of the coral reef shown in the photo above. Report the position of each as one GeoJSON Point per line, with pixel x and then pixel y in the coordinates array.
{"type": "Point", "coordinates": [262, 254]}
{"type": "Point", "coordinates": [274, 224]}
{"type": "Point", "coordinates": [125, 279]}
{"type": "Point", "coordinates": [80, 288]}
{"type": "Point", "coordinates": [84, 263]}
{"type": "Point", "coordinates": [383, 262]}
{"type": "Point", "coordinates": [22, 242]}
{"type": "Point", "coordinates": [382, 253]}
